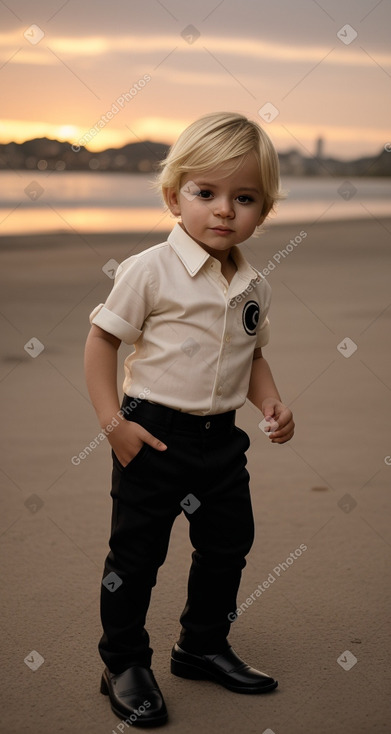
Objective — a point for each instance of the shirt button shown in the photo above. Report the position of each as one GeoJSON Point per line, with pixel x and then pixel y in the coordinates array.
{"type": "Point", "coordinates": [219, 390]}
{"type": "Point", "coordinates": [207, 424]}
{"type": "Point", "coordinates": [228, 338]}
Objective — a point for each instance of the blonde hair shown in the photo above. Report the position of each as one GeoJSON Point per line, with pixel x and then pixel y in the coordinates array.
{"type": "Point", "coordinates": [214, 139]}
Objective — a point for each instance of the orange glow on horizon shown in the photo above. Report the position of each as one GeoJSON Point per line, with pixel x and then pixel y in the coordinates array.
{"type": "Point", "coordinates": [165, 130]}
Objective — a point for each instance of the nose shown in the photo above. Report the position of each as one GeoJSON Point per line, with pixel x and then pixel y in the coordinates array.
{"type": "Point", "coordinates": [223, 207]}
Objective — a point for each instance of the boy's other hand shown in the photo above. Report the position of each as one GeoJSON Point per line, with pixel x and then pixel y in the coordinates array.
{"type": "Point", "coordinates": [127, 440]}
{"type": "Point", "coordinates": [280, 417]}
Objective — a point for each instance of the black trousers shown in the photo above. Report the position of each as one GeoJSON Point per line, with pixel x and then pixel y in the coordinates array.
{"type": "Point", "coordinates": [202, 473]}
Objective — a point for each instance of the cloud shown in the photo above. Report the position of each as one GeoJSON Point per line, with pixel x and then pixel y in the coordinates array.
{"type": "Point", "coordinates": [150, 46]}
{"type": "Point", "coordinates": [246, 54]}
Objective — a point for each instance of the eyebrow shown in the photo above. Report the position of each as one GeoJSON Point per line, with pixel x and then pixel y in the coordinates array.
{"type": "Point", "coordinates": [249, 188]}
{"type": "Point", "coordinates": [241, 188]}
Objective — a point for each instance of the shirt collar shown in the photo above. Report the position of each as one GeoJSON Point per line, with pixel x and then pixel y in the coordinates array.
{"type": "Point", "coordinates": [245, 271]}
{"type": "Point", "coordinates": [188, 250]}
{"type": "Point", "coordinates": [194, 256]}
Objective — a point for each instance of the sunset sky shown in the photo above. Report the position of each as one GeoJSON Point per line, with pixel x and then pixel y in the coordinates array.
{"type": "Point", "coordinates": [69, 70]}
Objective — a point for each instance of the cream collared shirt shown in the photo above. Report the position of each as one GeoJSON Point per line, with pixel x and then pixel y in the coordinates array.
{"type": "Point", "coordinates": [194, 334]}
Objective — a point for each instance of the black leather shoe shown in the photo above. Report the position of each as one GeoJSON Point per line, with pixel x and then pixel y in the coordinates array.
{"type": "Point", "coordinates": [135, 696]}
{"type": "Point", "coordinates": [225, 668]}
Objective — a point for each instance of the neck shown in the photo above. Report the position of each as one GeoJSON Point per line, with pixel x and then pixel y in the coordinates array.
{"type": "Point", "coordinates": [224, 256]}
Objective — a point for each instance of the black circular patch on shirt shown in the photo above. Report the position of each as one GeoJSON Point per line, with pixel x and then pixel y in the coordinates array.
{"type": "Point", "coordinates": [250, 317]}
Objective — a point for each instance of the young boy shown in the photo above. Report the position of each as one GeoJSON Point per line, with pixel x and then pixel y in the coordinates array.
{"type": "Point", "coordinates": [196, 313]}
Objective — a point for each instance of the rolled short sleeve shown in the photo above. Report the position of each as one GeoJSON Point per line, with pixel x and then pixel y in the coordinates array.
{"type": "Point", "coordinates": [263, 334]}
{"type": "Point", "coordinates": [129, 303]}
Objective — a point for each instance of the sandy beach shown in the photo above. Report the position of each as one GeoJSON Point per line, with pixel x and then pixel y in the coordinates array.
{"type": "Point", "coordinates": [320, 625]}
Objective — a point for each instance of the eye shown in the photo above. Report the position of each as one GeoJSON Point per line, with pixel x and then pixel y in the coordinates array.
{"type": "Point", "coordinates": [205, 194]}
{"type": "Point", "coordinates": [245, 199]}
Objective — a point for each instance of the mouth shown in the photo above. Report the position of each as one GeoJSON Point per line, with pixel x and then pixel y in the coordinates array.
{"type": "Point", "coordinates": [221, 230]}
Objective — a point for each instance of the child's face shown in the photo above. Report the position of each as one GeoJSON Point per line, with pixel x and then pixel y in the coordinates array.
{"type": "Point", "coordinates": [219, 211]}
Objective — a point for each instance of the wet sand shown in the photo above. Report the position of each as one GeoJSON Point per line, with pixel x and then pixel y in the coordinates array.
{"type": "Point", "coordinates": [327, 490]}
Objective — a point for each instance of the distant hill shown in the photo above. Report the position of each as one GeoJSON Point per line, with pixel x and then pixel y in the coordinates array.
{"type": "Point", "coordinates": [45, 154]}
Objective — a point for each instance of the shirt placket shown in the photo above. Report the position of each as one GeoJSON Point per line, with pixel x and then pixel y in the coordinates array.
{"type": "Point", "coordinates": [224, 353]}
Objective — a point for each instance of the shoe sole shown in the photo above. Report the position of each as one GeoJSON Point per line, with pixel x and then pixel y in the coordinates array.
{"type": "Point", "coordinates": [184, 670]}
{"type": "Point", "coordinates": [158, 721]}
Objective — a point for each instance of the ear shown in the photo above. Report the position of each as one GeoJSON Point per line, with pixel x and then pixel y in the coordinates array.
{"type": "Point", "coordinates": [261, 219]}
{"type": "Point", "coordinates": [267, 206]}
{"type": "Point", "coordinates": [172, 201]}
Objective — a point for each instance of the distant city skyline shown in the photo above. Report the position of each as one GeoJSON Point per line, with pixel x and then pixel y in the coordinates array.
{"type": "Point", "coordinates": [306, 71]}
{"type": "Point", "coordinates": [43, 154]}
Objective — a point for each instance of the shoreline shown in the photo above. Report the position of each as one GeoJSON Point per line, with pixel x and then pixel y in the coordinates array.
{"type": "Point", "coordinates": [59, 238]}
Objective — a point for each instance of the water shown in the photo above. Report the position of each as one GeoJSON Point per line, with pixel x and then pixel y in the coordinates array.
{"type": "Point", "coordinates": [38, 201]}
